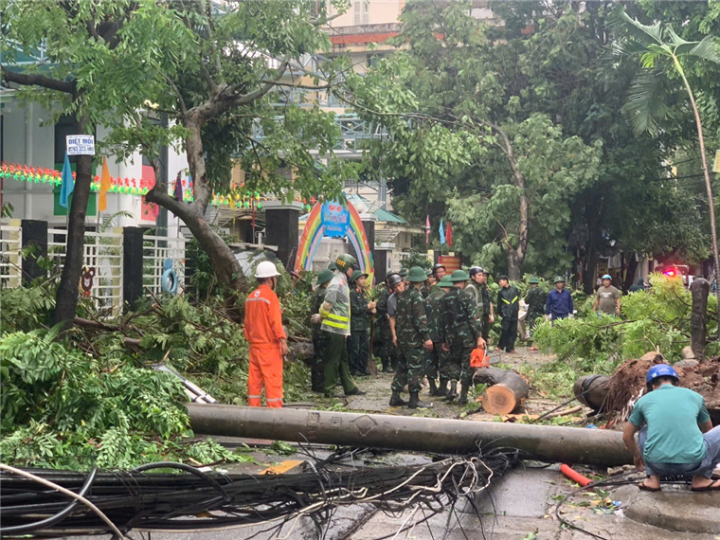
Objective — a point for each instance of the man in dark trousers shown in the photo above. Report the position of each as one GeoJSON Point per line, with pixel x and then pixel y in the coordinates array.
{"type": "Point", "coordinates": [559, 303]}
{"type": "Point", "coordinates": [462, 332]}
{"type": "Point", "coordinates": [360, 309]}
{"type": "Point", "coordinates": [413, 335]}
{"type": "Point", "coordinates": [320, 340]}
{"type": "Point", "coordinates": [509, 308]}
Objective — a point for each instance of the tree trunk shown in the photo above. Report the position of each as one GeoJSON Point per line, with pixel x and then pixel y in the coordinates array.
{"type": "Point", "coordinates": [226, 267]}
{"type": "Point", "coordinates": [592, 390]}
{"type": "Point", "coordinates": [630, 272]}
{"type": "Point", "coordinates": [591, 249]}
{"type": "Point", "coordinates": [508, 390]}
{"type": "Point", "coordinates": [708, 183]}
{"type": "Point", "coordinates": [514, 265]}
{"type": "Point", "coordinates": [66, 299]}
{"type": "Point", "coordinates": [700, 290]}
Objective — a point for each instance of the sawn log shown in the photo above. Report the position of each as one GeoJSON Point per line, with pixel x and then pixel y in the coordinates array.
{"type": "Point", "coordinates": [508, 390]}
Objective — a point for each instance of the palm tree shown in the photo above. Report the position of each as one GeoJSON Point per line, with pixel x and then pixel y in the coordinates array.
{"type": "Point", "coordinates": [659, 48]}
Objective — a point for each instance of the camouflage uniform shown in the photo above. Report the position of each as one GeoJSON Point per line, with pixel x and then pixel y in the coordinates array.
{"type": "Point", "coordinates": [385, 347]}
{"type": "Point", "coordinates": [437, 357]}
{"type": "Point", "coordinates": [462, 328]}
{"type": "Point", "coordinates": [485, 310]}
{"type": "Point", "coordinates": [320, 341]}
{"type": "Point", "coordinates": [411, 327]}
{"type": "Point", "coordinates": [535, 299]}
{"type": "Point", "coordinates": [358, 343]}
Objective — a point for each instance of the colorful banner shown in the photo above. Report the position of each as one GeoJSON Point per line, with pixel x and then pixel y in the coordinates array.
{"type": "Point", "coordinates": [315, 231]}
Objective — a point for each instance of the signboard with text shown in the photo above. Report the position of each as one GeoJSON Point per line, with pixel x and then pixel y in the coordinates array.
{"type": "Point", "coordinates": [80, 145]}
{"type": "Point", "coordinates": [450, 263]}
{"type": "Point", "coordinates": [336, 219]}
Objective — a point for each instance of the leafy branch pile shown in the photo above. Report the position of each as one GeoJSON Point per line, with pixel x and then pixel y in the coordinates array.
{"type": "Point", "coordinates": [93, 399]}
{"type": "Point", "coordinates": [656, 319]}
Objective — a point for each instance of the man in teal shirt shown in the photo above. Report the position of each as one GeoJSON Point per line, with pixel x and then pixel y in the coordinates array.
{"type": "Point", "coordinates": [676, 437]}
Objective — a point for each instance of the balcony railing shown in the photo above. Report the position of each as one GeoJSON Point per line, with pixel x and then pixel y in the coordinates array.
{"type": "Point", "coordinates": [352, 129]}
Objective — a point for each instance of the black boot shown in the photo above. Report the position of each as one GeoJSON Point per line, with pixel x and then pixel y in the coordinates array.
{"type": "Point", "coordinates": [415, 402]}
{"type": "Point", "coordinates": [463, 394]}
{"type": "Point", "coordinates": [396, 400]}
{"type": "Point", "coordinates": [443, 388]}
{"type": "Point", "coordinates": [433, 387]}
{"type": "Point", "coordinates": [452, 393]}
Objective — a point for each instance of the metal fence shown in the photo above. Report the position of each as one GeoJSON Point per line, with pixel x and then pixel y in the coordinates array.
{"type": "Point", "coordinates": [102, 266]}
{"type": "Point", "coordinates": [157, 250]}
{"type": "Point", "coordinates": [10, 246]}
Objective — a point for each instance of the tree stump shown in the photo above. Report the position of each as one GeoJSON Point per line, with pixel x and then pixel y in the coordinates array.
{"type": "Point", "coordinates": [592, 391]}
{"type": "Point", "coordinates": [700, 289]}
{"type": "Point", "coordinates": [508, 390]}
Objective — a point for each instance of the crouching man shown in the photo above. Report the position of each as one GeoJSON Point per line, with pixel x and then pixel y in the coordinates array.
{"type": "Point", "coordinates": [676, 437]}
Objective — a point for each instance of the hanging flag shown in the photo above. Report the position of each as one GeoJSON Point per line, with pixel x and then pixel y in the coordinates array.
{"type": "Point", "coordinates": [427, 229]}
{"type": "Point", "coordinates": [178, 188]}
{"type": "Point", "coordinates": [105, 183]}
{"type": "Point", "coordinates": [442, 232]}
{"type": "Point", "coordinates": [68, 184]}
{"type": "Point", "coordinates": [448, 236]}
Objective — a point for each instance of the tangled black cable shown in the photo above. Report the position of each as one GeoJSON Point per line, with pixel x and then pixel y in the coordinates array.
{"type": "Point", "coordinates": [190, 500]}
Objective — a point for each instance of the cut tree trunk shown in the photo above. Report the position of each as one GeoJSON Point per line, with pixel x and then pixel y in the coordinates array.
{"type": "Point", "coordinates": [508, 390]}
{"type": "Point", "coordinates": [700, 289]}
{"type": "Point", "coordinates": [66, 299]}
{"type": "Point", "coordinates": [592, 390]}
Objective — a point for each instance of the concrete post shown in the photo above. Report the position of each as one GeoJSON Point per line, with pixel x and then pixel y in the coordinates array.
{"type": "Point", "coordinates": [368, 221]}
{"type": "Point", "coordinates": [35, 235]}
{"type": "Point", "coordinates": [281, 229]}
{"type": "Point", "coordinates": [381, 253]}
{"type": "Point", "coordinates": [132, 265]}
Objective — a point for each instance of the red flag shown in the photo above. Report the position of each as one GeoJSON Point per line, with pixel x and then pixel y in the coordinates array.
{"type": "Point", "coordinates": [448, 236]}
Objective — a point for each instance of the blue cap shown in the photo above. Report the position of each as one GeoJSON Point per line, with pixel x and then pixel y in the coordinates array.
{"type": "Point", "coordinates": [607, 276]}
{"type": "Point", "coordinates": [661, 370]}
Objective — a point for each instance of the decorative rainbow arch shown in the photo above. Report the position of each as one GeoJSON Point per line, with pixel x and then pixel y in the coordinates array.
{"type": "Point", "coordinates": [314, 232]}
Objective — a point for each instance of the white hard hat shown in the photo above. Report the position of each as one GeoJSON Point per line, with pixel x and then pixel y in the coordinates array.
{"type": "Point", "coordinates": [266, 269]}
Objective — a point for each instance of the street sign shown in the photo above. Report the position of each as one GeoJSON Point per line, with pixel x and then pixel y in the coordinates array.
{"type": "Point", "coordinates": [450, 263]}
{"type": "Point", "coordinates": [80, 145]}
{"type": "Point", "coordinates": [716, 163]}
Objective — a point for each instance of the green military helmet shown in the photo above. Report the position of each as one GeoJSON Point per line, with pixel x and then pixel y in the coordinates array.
{"type": "Point", "coordinates": [559, 279]}
{"type": "Point", "coordinates": [345, 262]}
{"type": "Point", "coordinates": [428, 273]}
{"type": "Point", "coordinates": [356, 275]}
{"type": "Point", "coordinates": [459, 275]}
{"type": "Point", "coordinates": [416, 275]}
{"type": "Point", "coordinates": [324, 277]}
{"type": "Point", "coordinates": [445, 282]}
{"type": "Point", "coordinates": [332, 266]}
{"type": "Point", "coordinates": [403, 272]}
{"type": "Point", "coordinates": [534, 281]}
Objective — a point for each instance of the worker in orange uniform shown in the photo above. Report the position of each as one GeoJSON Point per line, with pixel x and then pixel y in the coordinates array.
{"type": "Point", "coordinates": [266, 336]}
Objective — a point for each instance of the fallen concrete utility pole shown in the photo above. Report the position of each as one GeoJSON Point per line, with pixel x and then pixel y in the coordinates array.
{"type": "Point", "coordinates": [434, 435]}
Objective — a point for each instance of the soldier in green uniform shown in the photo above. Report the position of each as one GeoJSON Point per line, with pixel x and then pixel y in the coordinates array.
{"type": "Point", "coordinates": [509, 308]}
{"type": "Point", "coordinates": [462, 331]}
{"type": "Point", "coordinates": [535, 299]}
{"type": "Point", "coordinates": [438, 272]}
{"type": "Point", "coordinates": [413, 334]}
{"type": "Point", "coordinates": [334, 318]}
{"type": "Point", "coordinates": [385, 346]}
{"type": "Point", "coordinates": [437, 357]}
{"type": "Point", "coordinates": [317, 372]}
{"type": "Point", "coordinates": [358, 343]}
{"type": "Point", "coordinates": [488, 312]}
{"type": "Point", "coordinates": [425, 289]}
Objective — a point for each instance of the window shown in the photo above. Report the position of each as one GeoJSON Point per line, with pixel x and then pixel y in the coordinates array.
{"type": "Point", "coordinates": [361, 12]}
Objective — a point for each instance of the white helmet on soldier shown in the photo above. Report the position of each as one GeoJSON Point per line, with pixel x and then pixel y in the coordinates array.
{"type": "Point", "coordinates": [266, 269]}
